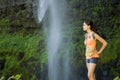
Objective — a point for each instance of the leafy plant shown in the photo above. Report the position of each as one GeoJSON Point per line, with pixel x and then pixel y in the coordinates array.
{"type": "Point", "coordinates": [13, 77]}
{"type": "Point", "coordinates": [116, 78]}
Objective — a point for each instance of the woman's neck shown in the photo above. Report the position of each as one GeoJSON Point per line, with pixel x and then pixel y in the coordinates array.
{"type": "Point", "coordinates": [89, 31]}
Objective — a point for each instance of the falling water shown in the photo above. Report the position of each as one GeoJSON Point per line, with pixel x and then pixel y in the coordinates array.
{"type": "Point", "coordinates": [58, 66]}
{"type": "Point", "coordinates": [42, 7]}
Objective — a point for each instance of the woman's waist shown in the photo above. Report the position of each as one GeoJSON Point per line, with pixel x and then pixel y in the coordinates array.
{"type": "Point", "coordinates": [95, 54]}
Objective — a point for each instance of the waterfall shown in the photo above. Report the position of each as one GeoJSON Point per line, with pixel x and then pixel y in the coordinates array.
{"type": "Point", "coordinates": [58, 53]}
{"type": "Point", "coordinates": [42, 7]}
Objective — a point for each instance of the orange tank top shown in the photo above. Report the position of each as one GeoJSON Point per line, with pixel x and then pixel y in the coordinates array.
{"type": "Point", "coordinates": [91, 42]}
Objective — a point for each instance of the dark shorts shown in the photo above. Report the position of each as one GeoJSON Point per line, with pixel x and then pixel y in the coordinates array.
{"type": "Point", "coordinates": [92, 60]}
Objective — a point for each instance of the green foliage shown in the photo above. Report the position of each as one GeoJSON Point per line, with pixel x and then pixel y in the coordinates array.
{"type": "Point", "coordinates": [11, 43]}
{"type": "Point", "coordinates": [21, 13]}
{"type": "Point", "coordinates": [116, 78]}
{"type": "Point", "coordinates": [5, 21]}
{"type": "Point", "coordinates": [112, 50]}
{"type": "Point", "coordinates": [13, 46]}
{"type": "Point", "coordinates": [4, 24]}
{"type": "Point", "coordinates": [13, 77]}
{"type": "Point", "coordinates": [21, 45]}
{"type": "Point", "coordinates": [16, 77]}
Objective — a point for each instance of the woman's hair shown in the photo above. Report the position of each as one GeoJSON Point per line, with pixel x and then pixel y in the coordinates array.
{"type": "Point", "coordinates": [90, 23]}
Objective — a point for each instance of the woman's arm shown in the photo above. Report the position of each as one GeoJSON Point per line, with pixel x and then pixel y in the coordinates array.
{"type": "Point", "coordinates": [104, 43]}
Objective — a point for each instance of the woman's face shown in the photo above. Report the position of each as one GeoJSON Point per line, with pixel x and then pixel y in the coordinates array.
{"type": "Point", "coordinates": [85, 26]}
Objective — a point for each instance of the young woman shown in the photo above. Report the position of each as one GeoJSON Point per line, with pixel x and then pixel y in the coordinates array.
{"type": "Point", "coordinates": [92, 54]}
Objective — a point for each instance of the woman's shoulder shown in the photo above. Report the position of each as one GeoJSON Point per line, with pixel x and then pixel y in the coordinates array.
{"type": "Point", "coordinates": [94, 35]}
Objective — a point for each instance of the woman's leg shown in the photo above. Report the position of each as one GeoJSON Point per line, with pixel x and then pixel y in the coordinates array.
{"type": "Point", "coordinates": [91, 65]}
{"type": "Point", "coordinates": [91, 69]}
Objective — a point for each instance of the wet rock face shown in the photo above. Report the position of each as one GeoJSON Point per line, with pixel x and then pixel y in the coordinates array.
{"type": "Point", "coordinates": [10, 3]}
{"type": "Point", "coordinates": [9, 6]}
{"type": "Point", "coordinates": [6, 3]}
{"type": "Point", "coordinates": [19, 12]}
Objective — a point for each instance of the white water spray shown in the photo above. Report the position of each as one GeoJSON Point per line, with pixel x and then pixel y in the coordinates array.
{"type": "Point", "coordinates": [58, 68]}
{"type": "Point", "coordinates": [42, 7]}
